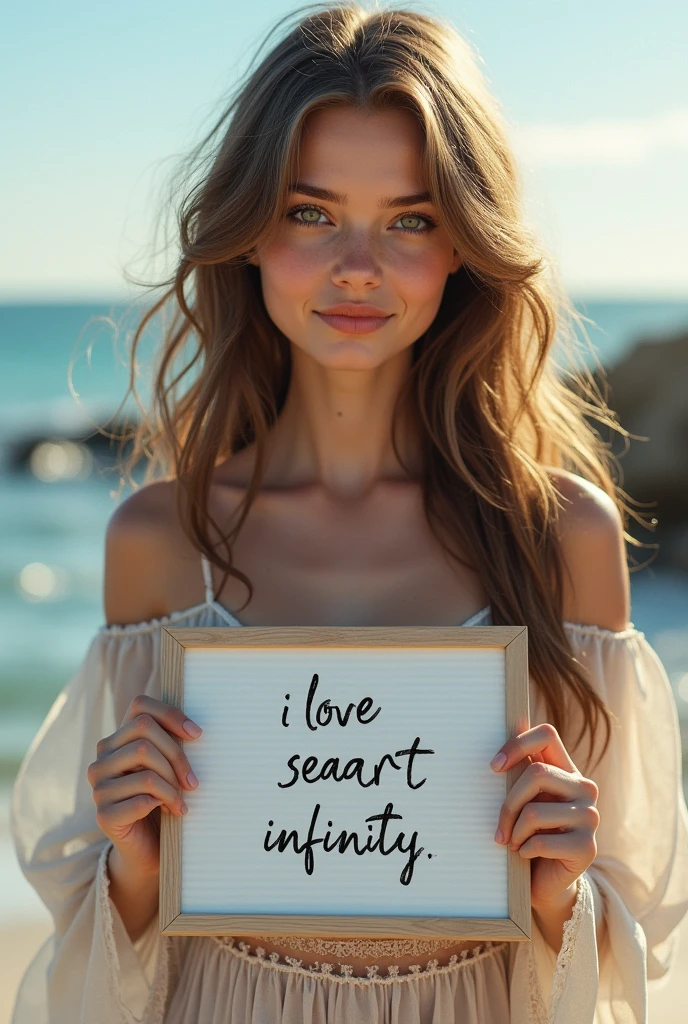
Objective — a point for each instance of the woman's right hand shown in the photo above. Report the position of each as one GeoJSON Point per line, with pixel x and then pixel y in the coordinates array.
{"type": "Point", "coordinates": [138, 768]}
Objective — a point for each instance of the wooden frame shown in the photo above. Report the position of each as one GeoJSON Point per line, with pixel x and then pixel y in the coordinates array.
{"type": "Point", "coordinates": [512, 639]}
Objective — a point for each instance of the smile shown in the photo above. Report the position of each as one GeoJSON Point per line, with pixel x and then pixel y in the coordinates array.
{"type": "Point", "coordinates": [348, 324]}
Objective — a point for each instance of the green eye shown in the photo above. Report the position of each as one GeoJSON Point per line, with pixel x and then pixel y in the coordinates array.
{"type": "Point", "coordinates": [306, 215]}
{"type": "Point", "coordinates": [416, 223]}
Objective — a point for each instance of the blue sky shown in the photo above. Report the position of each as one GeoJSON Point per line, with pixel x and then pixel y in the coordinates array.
{"type": "Point", "coordinates": [99, 98]}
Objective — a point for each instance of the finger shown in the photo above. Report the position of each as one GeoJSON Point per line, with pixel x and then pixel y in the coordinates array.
{"type": "Point", "coordinates": [563, 816]}
{"type": "Point", "coordinates": [536, 779]}
{"type": "Point", "coordinates": [140, 753]}
{"type": "Point", "coordinates": [171, 718]}
{"type": "Point", "coordinates": [542, 741]}
{"type": "Point", "coordinates": [573, 849]}
{"type": "Point", "coordinates": [111, 791]}
{"type": "Point", "coordinates": [125, 812]}
{"type": "Point", "coordinates": [144, 726]}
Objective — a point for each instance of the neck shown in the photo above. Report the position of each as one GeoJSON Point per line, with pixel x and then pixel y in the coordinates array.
{"type": "Point", "coordinates": [335, 429]}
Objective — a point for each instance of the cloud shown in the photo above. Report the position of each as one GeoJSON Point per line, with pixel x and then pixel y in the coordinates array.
{"type": "Point", "coordinates": [619, 142]}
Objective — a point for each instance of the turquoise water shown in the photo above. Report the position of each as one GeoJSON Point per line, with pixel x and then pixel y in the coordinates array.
{"type": "Point", "coordinates": [61, 525]}
{"type": "Point", "coordinates": [36, 343]}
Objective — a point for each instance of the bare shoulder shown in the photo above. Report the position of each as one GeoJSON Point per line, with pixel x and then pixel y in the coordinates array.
{"type": "Point", "coordinates": [598, 589]}
{"type": "Point", "coordinates": [137, 543]}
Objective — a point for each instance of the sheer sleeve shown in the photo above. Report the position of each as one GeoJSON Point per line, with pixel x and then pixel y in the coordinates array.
{"type": "Point", "coordinates": [638, 882]}
{"type": "Point", "coordinates": [88, 971]}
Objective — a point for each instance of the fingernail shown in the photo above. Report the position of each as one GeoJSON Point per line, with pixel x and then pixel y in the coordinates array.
{"type": "Point", "coordinates": [184, 808]}
{"type": "Point", "coordinates": [192, 780]}
{"type": "Point", "coordinates": [498, 761]}
{"type": "Point", "coordinates": [499, 836]}
{"type": "Point", "coordinates": [191, 727]}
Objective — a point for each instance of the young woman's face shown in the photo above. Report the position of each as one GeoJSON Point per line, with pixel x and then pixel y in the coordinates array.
{"type": "Point", "coordinates": [361, 234]}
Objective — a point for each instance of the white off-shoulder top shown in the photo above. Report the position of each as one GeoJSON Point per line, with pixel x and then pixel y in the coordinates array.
{"type": "Point", "coordinates": [89, 972]}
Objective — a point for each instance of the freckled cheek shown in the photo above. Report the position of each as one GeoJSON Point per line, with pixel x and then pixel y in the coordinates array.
{"type": "Point", "coordinates": [420, 280]}
{"type": "Point", "coordinates": [290, 273]}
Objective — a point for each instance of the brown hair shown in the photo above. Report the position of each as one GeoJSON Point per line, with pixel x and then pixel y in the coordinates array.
{"type": "Point", "coordinates": [484, 391]}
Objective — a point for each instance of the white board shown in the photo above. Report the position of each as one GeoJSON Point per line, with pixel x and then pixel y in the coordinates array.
{"type": "Point", "coordinates": [451, 699]}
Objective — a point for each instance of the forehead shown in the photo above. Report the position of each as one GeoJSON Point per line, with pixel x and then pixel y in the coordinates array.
{"type": "Point", "coordinates": [347, 149]}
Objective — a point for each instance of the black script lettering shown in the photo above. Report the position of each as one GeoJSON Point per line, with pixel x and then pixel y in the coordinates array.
{"type": "Point", "coordinates": [323, 715]}
{"type": "Point", "coordinates": [309, 700]}
{"type": "Point", "coordinates": [363, 708]}
{"type": "Point", "coordinates": [284, 838]}
{"type": "Point", "coordinates": [341, 842]}
{"type": "Point", "coordinates": [353, 769]}
{"type": "Point", "coordinates": [295, 770]}
{"type": "Point", "coordinates": [325, 710]}
{"type": "Point", "coordinates": [412, 751]}
{"type": "Point", "coordinates": [407, 873]}
{"type": "Point", "coordinates": [309, 765]}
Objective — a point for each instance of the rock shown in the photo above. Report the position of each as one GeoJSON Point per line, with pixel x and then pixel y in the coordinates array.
{"type": "Point", "coordinates": [649, 393]}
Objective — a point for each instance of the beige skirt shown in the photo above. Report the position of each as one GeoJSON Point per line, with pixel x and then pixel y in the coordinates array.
{"type": "Point", "coordinates": [218, 983]}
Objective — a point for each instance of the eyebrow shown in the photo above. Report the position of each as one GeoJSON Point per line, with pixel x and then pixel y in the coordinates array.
{"type": "Point", "coordinates": [338, 197]}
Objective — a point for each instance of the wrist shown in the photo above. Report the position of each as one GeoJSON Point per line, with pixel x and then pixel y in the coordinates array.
{"type": "Point", "coordinates": [551, 917]}
{"type": "Point", "coordinates": [133, 891]}
{"type": "Point", "coordinates": [135, 871]}
{"type": "Point", "coordinates": [564, 901]}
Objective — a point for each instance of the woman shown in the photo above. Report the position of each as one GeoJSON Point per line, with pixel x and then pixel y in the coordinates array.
{"type": "Point", "coordinates": [376, 436]}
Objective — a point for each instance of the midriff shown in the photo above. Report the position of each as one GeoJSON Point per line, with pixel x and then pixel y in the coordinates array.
{"type": "Point", "coordinates": [359, 953]}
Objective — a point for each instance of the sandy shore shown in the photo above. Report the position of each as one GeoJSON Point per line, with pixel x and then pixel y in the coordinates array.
{"type": "Point", "coordinates": [18, 943]}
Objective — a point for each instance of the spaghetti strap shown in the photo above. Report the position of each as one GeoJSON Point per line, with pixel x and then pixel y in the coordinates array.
{"type": "Point", "coordinates": [474, 620]}
{"type": "Point", "coordinates": [208, 580]}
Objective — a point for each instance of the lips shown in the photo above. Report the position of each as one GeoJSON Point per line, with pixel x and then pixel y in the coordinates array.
{"type": "Point", "coordinates": [355, 309]}
{"type": "Point", "coordinates": [354, 317]}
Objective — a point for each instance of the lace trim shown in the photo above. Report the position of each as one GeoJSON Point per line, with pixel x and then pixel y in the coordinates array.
{"type": "Point", "coordinates": [583, 905]}
{"type": "Point", "coordinates": [151, 625]}
{"type": "Point", "coordinates": [537, 1011]}
{"type": "Point", "coordinates": [103, 897]}
{"type": "Point", "coordinates": [326, 971]}
{"type": "Point", "coordinates": [154, 1012]}
{"type": "Point", "coordinates": [604, 634]}
{"type": "Point", "coordinates": [155, 1005]}
{"type": "Point", "coordinates": [358, 947]}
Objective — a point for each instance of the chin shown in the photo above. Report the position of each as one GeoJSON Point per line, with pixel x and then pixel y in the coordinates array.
{"type": "Point", "coordinates": [345, 354]}
{"type": "Point", "coordinates": [362, 359]}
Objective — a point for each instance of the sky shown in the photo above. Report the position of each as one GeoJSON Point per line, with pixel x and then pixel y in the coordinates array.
{"type": "Point", "coordinates": [100, 99]}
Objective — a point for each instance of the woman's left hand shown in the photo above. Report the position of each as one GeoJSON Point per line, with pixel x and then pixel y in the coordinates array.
{"type": "Point", "coordinates": [549, 814]}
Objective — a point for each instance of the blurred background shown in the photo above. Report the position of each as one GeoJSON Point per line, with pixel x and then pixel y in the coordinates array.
{"type": "Point", "coordinates": [107, 97]}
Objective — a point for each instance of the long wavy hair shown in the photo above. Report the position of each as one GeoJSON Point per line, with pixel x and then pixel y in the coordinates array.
{"type": "Point", "coordinates": [490, 407]}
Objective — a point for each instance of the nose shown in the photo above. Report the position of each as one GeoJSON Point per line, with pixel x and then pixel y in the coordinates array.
{"type": "Point", "coordinates": [356, 265]}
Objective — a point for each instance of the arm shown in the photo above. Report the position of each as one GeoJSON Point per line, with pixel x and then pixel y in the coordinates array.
{"type": "Point", "coordinates": [64, 853]}
{"type": "Point", "coordinates": [133, 892]}
{"type": "Point", "coordinates": [551, 920]}
{"type": "Point", "coordinates": [596, 592]}
{"type": "Point", "coordinates": [139, 768]}
{"type": "Point", "coordinates": [596, 580]}
{"type": "Point", "coordinates": [622, 930]}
